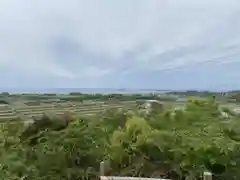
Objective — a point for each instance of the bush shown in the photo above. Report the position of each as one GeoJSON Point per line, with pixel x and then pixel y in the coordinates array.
{"type": "Point", "coordinates": [170, 143]}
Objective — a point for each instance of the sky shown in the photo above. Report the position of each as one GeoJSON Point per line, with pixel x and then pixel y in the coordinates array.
{"type": "Point", "coordinates": [150, 44]}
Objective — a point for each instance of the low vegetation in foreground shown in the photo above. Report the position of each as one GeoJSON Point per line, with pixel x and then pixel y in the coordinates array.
{"type": "Point", "coordinates": [163, 142]}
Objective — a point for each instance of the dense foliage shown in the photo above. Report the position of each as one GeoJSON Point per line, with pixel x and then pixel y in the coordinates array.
{"type": "Point", "coordinates": [161, 142]}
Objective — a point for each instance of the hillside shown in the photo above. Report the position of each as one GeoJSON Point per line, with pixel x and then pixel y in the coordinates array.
{"type": "Point", "coordinates": [165, 142]}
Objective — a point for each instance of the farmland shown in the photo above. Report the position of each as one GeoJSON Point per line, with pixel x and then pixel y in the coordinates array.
{"type": "Point", "coordinates": [9, 112]}
{"type": "Point", "coordinates": [28, 107]}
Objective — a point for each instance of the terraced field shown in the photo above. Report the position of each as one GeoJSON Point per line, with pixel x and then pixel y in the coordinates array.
{"type": "Point", "coordinates": [10, 112]}
{"type": "Point", "coordinates": [7, 113]}
{"type": "Point", "coordinates": [25, 112]}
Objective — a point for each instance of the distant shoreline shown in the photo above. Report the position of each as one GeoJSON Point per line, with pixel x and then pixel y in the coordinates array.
{"type": "Point", "coordinates": [81, 90]}
{"type": "Point", "coordinates": [96, 90]}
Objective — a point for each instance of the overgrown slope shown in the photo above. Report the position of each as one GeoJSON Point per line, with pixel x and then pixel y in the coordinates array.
{"type": "Point", "coordinates": [168, 143]}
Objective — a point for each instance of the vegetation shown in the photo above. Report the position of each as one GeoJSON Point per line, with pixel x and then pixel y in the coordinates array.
{"type": "Point", "coordinates": [164, 142]}
{"type": "Point", "coordinates": [198, 93]}
{"type": "Point", "coordinates": [227, 96]}
{"type": "Point", "coordinates": [80, 97]}
{"type": "Point", "coordinates": [171, 96]}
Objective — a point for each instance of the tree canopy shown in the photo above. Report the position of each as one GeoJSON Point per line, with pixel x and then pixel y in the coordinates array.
{"type": "Point", "coordinates": [169, 143]}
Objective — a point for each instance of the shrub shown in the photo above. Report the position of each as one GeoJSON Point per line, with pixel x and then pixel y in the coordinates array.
{"type": "Point", "coordinates": [175, 145]}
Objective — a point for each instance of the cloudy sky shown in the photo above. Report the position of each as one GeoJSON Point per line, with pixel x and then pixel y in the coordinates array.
{"type": "Point", "coordinates": [164, 44]}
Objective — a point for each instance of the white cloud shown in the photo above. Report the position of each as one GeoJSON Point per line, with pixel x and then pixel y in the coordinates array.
{"type": "Point", "coordinates": [108, 38]}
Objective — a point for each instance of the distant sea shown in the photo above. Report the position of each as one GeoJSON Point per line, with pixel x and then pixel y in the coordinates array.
{"type": "Point", "coordinates": [81, 90]}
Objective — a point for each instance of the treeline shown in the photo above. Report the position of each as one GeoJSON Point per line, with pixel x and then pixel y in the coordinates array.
{"type": "Point", "coordinates": [228, 96]}
{"type": "Point", "coordinates": [198, 93]}
{"type": "Point", "coordinates": [117, 97]}
{"type": "Point", "coordinates": [162, 142]}
{"type": "Point", "coordinates": [80, 97]}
